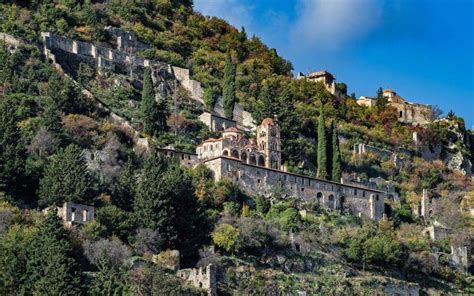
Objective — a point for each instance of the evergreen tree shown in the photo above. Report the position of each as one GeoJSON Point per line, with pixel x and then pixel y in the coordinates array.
{"type": "Point", "coordinates": [153, 114]}
{"type": "Point", "coordinates": [152, 205]}
{"type": "Point", "coordinates": [322, 147]}
{"type": "Point", "coordinates": [124, 187]}
{"type": "Point", "coordinates": [165, 201]}
{"type": "Point", "coordinates": [228, 91]}
{"type": "Point", "coordinates": [50, 267]}
{"type": "Point", "coordinates": [336, 156]}
{"type": "Point", "coordinates": [66, 178]}
{"type": "Point", "coordinates": [51, 119]}
{"type": "Point", "coordinates": [12, 150]}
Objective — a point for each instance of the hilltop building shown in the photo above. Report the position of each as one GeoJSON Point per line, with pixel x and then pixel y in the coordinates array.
{"type": "Point", "coordinates": [256, 167]}
{"type": "Point", "coordinates": [325, 77]}
{"type": "Point", "coordinates": [412, 113]}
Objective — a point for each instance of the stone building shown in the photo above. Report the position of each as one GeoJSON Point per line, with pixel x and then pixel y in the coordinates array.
{"type": "Point", "coordinates": [461, 258]}
{"type": "Point", "coordinates": [215, 122]}
{"type": "Point", "coordinates": [367, 101]}
{"type": "Point", "coordinates": [325, 77]}
{"type": "Point", "coordinates": [256, 168]}
{"type": "Point", "coordinates": [185, 159]}
{"type": "Point", "coordinates": [407, 112]}
{"type": "Point", "coordinates": [412, 113]}
{"type": "Point", "coordinates": [437, 231]}
{"type": "Point", "coordinates": [75, 214]}
{"type": "Point", "coordinates": [201, 278]}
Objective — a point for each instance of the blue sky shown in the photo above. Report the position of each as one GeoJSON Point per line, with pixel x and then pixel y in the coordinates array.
{"type": "Point", "coordinates": [422, 49]}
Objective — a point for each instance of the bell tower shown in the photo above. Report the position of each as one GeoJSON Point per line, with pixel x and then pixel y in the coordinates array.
{"type": "Point", "coordinates": [269, 144]}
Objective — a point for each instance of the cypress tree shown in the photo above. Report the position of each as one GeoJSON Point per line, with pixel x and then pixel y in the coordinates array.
{"type": "Point", "coordinates": [51, 119]}
{"type": "Point", "coordinates": [66, 178]}
{"type": "Point", "coordinates": [336, 156]}
{"type": "Point", "coordinates": [228, 91]}
{"type": "Point", "coordinates": [50, 267]}
{"type": "Point", "coordinates": [322, 147]}
{"type": "Point", "coordinates": [153, 114]}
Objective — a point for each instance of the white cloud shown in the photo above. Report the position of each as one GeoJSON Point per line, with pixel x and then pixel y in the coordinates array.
{"type": "Point", "coordinates": [235, 12]}
{"type": "Point", "coordinates": [332, 23]}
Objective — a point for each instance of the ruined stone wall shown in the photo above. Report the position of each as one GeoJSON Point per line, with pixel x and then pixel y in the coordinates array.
{"type": "Point", "coordinates": [243, 118]}
{"type": "Point", "coordinates": [73, 213]}
{"type": "Point", "coordinates": [259, 180]}
{"type": "Point", "coordinates": [412, 113]}
{"type": "Point", "coordinates": [201, 278]}
{"type": "Point", "coordinates": [123, 60]}
{"type": "Point", "coordinates": [185, 159]}
{"type": "Point", "coordinates": [216, 123]}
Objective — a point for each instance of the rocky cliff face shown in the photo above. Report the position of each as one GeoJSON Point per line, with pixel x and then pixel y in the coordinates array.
{"type": "Point", "coordinates": [455, 148]}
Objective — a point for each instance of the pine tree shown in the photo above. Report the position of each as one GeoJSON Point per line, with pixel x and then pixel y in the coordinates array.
{"type": "Point", "coordinates": [124, 187]}
{"type": "Point", "coordinates": [336, 156]}
{"type": "Point", "coordinates": [322, 147]}
{"type": "Point", "coordinates": [153, 113]}
{"type": "Point", "coordinates": [66, 178]}
{"type": "Point", "coordinates": [228, 92]}
{"type": "Point", "coordinates": [50, 267]}
{"type": "Point", "coordinates": [51, 119]}
{"type": "Point", "coordinates": [12, 150]}
{"type": "Point", "coordinates": [152, 205]}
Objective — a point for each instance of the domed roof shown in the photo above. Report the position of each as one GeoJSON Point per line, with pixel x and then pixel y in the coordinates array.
{"type": "Point", "coordinates": [267, 121]}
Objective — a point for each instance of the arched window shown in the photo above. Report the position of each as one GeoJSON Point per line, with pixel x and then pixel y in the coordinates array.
{"type": "Point", "coordinates": [331, 204]}
{"type": "Point", "coordinates": [319, 197]}
{"type": "Point", "coordinates": [244, 157]}
{"type": "Point", "coordinates": [225, 153]}
{"type": "Point", "coordinates": [252, 159]}
{"type": "Point", "coordinates": [261, 161]}
{"type": "Point", "coordinates": [401, 114]}
{"type": "Point", "coordinates": [235, 154]}
{"type": "Point", "coordinates": [273, 162]}
{"type": "Point", "coordinates": [342, 201]}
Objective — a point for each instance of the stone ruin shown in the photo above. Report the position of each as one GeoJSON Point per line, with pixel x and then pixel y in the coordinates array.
{"type": "Point", "coordinates": [74, 214]}
{"type": "Point", "coordinates": [122, 60]}
{"type": "Point", "coordinates": [397, 160]}
{"type": "Point", "coordinates": [201, 278]}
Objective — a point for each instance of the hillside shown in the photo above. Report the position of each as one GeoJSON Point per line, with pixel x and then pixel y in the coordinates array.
{"type": "Point", "coordinates": [95, 95]}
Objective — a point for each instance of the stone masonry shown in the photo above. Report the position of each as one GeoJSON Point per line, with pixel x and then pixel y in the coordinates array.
{"type": "Point", "coordinates": [256, 168]}
{"type": "Point", "coordinates": [75, 214]}
{"type": "Point", "coordinates": [201, 278]}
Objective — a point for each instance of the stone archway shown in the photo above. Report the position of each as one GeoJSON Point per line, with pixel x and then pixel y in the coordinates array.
{"type": "Point", "coordinates": [225, 152]}
{"type": "Point", "coordinates": [261, 161]}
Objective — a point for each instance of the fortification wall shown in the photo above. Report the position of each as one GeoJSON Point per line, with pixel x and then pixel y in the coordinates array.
{"type": "Point", "coordinates": [123, 60]}
{"type": "Point", "coordinates": [259, 180]}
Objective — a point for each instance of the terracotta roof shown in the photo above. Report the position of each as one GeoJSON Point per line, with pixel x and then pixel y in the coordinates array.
{"type": "Point", "coordinates": [388, 90]}
{"type": "Point", "coordinates": [267, 121]}
{"type": "Point", "coordinates": [211, 140]}
{"type": "Point", "coordinates": [232, 130]}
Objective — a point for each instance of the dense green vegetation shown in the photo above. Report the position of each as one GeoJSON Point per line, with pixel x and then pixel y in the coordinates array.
{"type": "Point", "coordinates": [57, 145]}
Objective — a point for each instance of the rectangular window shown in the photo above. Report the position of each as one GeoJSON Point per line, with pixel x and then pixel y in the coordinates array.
{"type": "Point", "coordinates": [355, 192]}
{"type": "Point", "coordinates": [363, 193]}
{"type": "Point", "coordinates": [84, 215]}
{"type": "Point", "coordinates": [73, 214]}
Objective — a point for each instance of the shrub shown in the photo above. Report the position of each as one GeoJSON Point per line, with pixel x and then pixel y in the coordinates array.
{"type": "Point", "coordinates": [226, 236]}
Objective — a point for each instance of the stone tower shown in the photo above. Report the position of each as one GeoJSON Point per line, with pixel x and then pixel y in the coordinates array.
{"type": "Point", "coordinates": [269, 144]}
